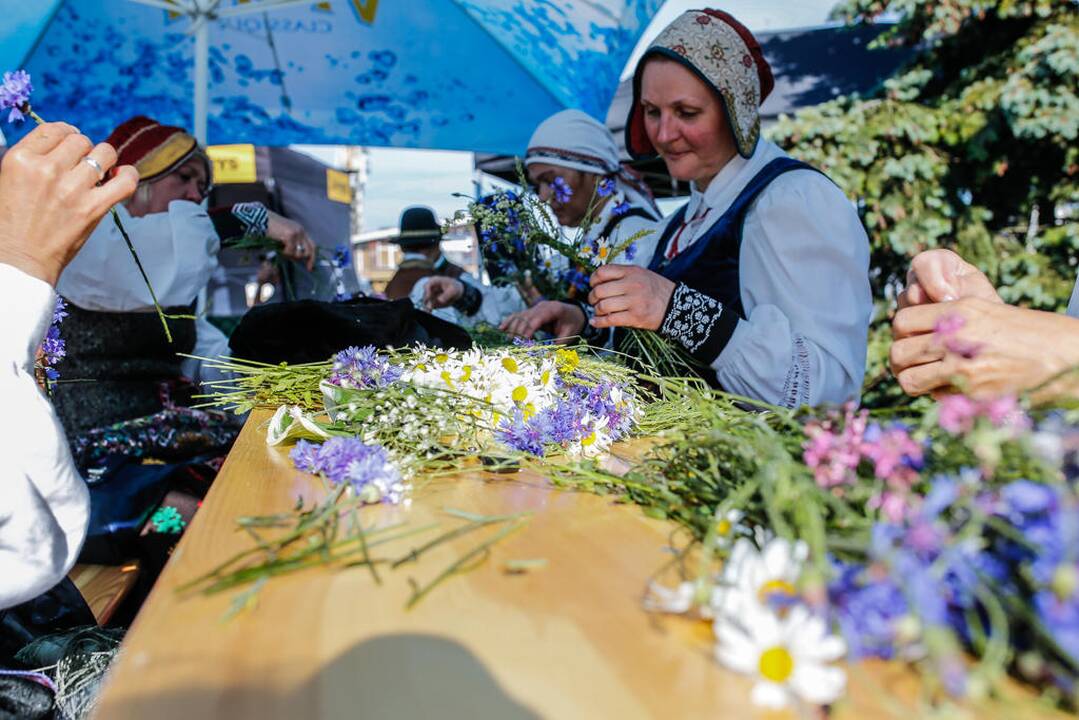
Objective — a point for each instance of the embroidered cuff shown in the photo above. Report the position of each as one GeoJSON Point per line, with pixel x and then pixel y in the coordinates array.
{"type": "Point", "coordinates": [253, 216]}
{"type": "Point", "coordinates": [470, 300]}
{"type": "Point", "coordinates": [699, 323]}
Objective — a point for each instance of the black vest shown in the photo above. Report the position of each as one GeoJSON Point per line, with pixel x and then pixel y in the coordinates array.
{"type": "Point", "coordinates": [711, 264]}
{"type": "Point", "coordinates": [115, 365]}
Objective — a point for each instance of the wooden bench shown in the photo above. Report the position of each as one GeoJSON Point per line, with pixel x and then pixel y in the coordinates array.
{"type": "Point", "coordinates": [104, 586]}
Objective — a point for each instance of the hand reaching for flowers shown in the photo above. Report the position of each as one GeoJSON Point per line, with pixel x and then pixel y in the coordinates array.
{"type": "Point", "coordinates": [989, 349]}
{"type": "Point", "coordinates": [50, 199]}
{"type": "Point", "coordinates": [943, 276]}
{"type": "Point", "coordinates": [442, 291]}
{"type": "Point", "coordinates": [296, 245]}
{"type": "Point", "coordinates": [565, 321]}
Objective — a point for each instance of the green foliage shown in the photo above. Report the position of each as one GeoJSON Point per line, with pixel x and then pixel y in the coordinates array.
{"type": "Point", "coordinates": [972, 147]}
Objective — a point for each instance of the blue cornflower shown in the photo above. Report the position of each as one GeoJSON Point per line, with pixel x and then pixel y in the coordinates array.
{"type": "Point", "coordinates": [366, 468]}
{"type": "Point", "coordinates": [361, 368]}
{"type": "Point", "coordinates": [562, 191]}
{"type": "Point", "coordinates": [53, 346]}
{"type": "Point", "coordinates": [341, 257]}
{"type": "Point", "coordinates": [59, 312]}
{"type": "Point", "coordinates": [621, 208]}
{"type": "Point", "coordinates": [15, 94]}
{"type": "Point", "coordinates": [606, 187]}
{"type": "Point", "coordinates": [520, 434]}
{"type": "Point", "coordinates": [866, 608]}
{"type": "Point", "coordinates": [630, 252]}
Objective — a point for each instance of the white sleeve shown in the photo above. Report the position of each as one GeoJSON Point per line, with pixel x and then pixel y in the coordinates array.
{"type": "Point", "coordinates": [211, 343]}
{"type": "Point", "coordinates": [45, 506]}
{"type": "Point", "coordinates": [804, 274]}
{"type": "Point", "coordinates": [498, 303]}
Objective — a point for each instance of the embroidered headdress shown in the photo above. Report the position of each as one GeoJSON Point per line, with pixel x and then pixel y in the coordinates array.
{"type": "Point", "coordinates": [575, 140]}
{"type": "Point", "coordinates": [154, 149]}
{"type": "Point", "coordinates": [724, 54]}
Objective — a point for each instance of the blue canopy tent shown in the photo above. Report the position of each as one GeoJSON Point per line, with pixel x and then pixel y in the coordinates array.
{"type": "Point", "coordinates": [450, 74]}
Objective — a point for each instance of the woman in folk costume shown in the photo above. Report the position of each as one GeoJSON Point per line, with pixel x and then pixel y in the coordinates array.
{"type": "Point", "coordinates": [763, 275]}
{"type": "Point", "coordinates": [123, 386]}
{"type": "Point", "coordinates": [572, 161]}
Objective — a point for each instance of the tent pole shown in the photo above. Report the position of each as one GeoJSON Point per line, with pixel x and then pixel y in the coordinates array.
{"type": "Point", "coordinates": [202, 79]}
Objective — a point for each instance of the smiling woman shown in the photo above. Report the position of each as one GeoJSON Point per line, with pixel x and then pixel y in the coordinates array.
{"type": "Point", "coordinates": [763, 276]}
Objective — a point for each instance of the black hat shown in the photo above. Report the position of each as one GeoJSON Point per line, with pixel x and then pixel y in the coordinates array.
{"type": "Point", "coordinates": [419, 226]}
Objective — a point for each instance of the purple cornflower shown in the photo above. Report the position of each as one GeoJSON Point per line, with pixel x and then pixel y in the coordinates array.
{"type": "Point", "coordinates": [562, 191]}
{"type": "Point", "coordinates": [606, 187]}
{"type": "Point", "coordinates": [867, 605]}
{"type": "Point", "coordinates": [366, 468]}
{"type": "Point", "coordinates": [59, 312]}
{"type": "Point", "coordinates": [361, 368]}
{"type": "Point", "coordinates": [53, 346]}
{"type": "Point", "coordinates": [630, 252]}
{"type": "Point", "coordinates": [15, 94]}
{"type": "Point", "coordinates": [340, 257]}
{"type": "Point", "coordinates": [521, 435]}
{"type": "Point", "coordinates": [620, 209]}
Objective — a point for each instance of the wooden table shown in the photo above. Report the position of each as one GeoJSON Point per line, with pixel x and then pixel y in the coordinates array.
{"type": "Point", "coordinates": [566, 641]}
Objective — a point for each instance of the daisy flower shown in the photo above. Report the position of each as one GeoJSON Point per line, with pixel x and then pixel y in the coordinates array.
{"type": "Point", "coordinates": [788, 656]}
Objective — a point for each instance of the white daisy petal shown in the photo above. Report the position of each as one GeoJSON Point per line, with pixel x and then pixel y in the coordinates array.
{"type": "Point", "coordinates": [737, 656]}
{"type": "Point", "coordinates": [769, 695]}
{"type": "Point", "coordinates": [818, 684]}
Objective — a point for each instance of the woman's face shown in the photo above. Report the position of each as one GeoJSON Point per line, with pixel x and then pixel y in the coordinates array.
{"type": "Point", "coordinates": [187, 182]}
{"type": "Point", "coordinates": [685, 122]}
{"type": "Point", "coordinates": [554, 183]}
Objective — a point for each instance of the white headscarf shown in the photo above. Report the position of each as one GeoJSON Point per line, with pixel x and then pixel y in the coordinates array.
{"type": "Point", "coordinates": [178, 249]}
{"type": "Point", "coordinates": [577, 141]}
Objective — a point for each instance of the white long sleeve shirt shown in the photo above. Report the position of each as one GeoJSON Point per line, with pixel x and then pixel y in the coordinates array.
{"type": "Point", "coordinates": [178, 250]}
{"type": "Point", "coordinates": [44, 505]}
{"type": "Point", "coordinates": [804, 283]}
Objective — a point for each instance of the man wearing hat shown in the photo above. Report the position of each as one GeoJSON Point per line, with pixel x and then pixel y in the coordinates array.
{"type": "Point", "coordinates": [419, 240]}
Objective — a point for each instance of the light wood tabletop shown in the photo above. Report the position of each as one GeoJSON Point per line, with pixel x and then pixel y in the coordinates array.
{"type": "Point", "coordinates": [568, 640]}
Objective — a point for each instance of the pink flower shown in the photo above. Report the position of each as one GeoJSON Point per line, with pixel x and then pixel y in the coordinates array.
{"type": "Point", "coordinates": [892, 505]}
{"type": "Point", "coordinates": [896, 456]}
{"type": "Point", "coordinates": [957, 413]}
{"type": "Point", "coordinates": [834, 455]}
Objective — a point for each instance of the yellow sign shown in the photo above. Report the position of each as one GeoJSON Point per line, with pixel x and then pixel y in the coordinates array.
{"type": "Point", "coordinates": [233, 163]}
{"type": "Point", "coordinates": [337, 186]}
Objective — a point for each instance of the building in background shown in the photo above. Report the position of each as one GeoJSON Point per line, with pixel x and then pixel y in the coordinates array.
{"type": "Point", "coordinates": [377, 253]}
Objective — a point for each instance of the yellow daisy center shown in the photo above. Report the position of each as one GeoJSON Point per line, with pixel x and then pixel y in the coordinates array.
{"type": "Point", "coordinates": [510, 364]}
{"type": "Point", "coordinates": [776, 664]}
{"type": "Point", "coordinates": [775, 587]}
{"type": "Point", "coordinates": [588, 439]}
{"type": "Point", "coordinates": [520, 393]}
{"type": "Point", "coordinates": [603, 252]}
{"type": "Point", "coordinates": [447, 379]}
{"type": "Point", "coordinates": [466, 373]}
{"type": "Point", "coordinates": [441, 357]}
{"type": "Point", "coordinates": [723, 527]}
{"type": "Point", "coordinates": [545, 377]}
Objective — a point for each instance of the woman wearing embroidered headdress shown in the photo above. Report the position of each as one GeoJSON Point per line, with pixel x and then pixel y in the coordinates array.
{"type": "Point", "coordinates": [763, 275]}
{"type": "Point", "coordinates": [572, 161]}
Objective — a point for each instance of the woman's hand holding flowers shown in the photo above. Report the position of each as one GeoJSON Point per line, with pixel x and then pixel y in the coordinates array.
{"type": "Point", "coordinates": [296, 245]}
{"type": "Point", "coordinates": [629, 296]}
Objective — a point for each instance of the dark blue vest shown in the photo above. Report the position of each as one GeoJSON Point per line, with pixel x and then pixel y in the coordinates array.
{"type": "Point", "coordinates": [710, 265]}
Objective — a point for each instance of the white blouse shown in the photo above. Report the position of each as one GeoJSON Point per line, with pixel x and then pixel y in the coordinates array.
{"type": "Point", "coordinates": [804, 277]}
{"type": "Point", "coordinates": [45, 506]}
{"type": "Point", "coordinates": [178, 249]}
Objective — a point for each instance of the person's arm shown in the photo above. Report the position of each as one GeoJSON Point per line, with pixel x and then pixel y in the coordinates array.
{"type": "Point", "coordinates": [210, 343]}
{"type": "Point", "coordinates": [50, 199]}
{"type": "Point", "coordinates": [45, 507]}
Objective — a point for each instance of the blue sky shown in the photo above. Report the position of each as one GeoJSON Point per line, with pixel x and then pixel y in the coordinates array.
{"type": "Point", "coordinates": [399, 178]}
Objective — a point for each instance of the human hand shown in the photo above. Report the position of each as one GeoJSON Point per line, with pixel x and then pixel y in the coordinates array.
{"type": "Point", "coordinates": [565, 320]}
{"type": "Point", "coordinates": [629, 296]}
{"type": "Point", "coordinates": [50, 200]}
{"type": "Point", "coordinates": [942, 276]}
{"type": "Point", "coordinates": [1011, 349]}
{"type": "Point", "coordinates": [297, 246]}
{"type": "Point", "coordinates": [442, 291]}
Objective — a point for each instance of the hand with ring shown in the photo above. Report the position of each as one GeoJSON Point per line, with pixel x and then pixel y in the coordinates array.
{"type": "Point", "coordinates": [296, 244]}
{"type": "Point", "coordinates": [52, 195]}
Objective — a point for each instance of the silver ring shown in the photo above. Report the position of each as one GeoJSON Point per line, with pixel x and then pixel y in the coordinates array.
{"type": "Point", "coordinates": [95, 165]}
